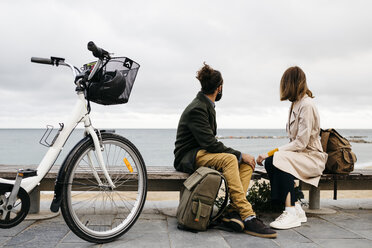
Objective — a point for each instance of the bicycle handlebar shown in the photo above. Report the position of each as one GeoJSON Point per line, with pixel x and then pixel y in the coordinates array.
{"type": "Point", "coordinates": [52, 61]}
{"type": "Point", "coordinates": [42, 60]}
{"type": "Point", "coordinates": [97, 51]}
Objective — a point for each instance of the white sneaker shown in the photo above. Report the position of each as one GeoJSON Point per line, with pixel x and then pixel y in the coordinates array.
{"type": "Point", "coordinates": [286, 221]}
{"type": "Point", "coordinates": [301, 215]}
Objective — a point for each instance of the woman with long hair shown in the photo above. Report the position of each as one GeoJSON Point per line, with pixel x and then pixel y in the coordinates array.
{"type": "Point", "coordinates": [302, 158]}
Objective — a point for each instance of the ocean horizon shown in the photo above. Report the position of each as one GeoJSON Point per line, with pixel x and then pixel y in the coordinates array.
{"type": "Point", "coordinates": [20, 146]}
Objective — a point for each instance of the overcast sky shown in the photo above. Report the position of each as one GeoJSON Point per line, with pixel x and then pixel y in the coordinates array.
{"type": "Point", "coordinates": [251, 42]}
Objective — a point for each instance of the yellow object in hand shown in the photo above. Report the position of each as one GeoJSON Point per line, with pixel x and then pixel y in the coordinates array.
{"type": "Point", "coordinates": [271, 153]}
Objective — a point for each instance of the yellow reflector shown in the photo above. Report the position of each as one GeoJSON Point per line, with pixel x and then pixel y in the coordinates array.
{"type": "Point", "coordinates": [128, 165]}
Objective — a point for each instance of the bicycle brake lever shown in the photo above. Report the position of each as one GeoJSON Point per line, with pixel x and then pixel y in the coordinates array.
{"type": "Point", "coordinates": [57, 60]}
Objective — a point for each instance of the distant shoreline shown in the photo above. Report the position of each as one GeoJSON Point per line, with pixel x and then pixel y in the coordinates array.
{"type": "Point", "coordinates": [157, 145]}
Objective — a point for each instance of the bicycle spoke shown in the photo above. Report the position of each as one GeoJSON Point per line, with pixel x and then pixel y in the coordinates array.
{"type": "Point", "coordinates": [116, 157]}
{"type": "Point", "coordinates": [125, 201]}
{"type": "Point", "coordinates": [7, 217]}
{"type": "Point", "coordinates": [84, 184]}
{"type": "Point", "coordinates": [81, 193]}
{"type": "Point", "coordinates": [126, 181]}
{"type": "Point", "coordinates": [15, 211]}
{"type": "Point", "coordinates": [85, 203]}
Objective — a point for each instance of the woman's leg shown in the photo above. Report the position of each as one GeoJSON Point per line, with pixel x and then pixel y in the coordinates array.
{"type": "Point", "coordinates": [282, 184]}
{"type": "Point", "coordinates": [288, 202]}
{"type": "Point", "coordinates": [282, 190]}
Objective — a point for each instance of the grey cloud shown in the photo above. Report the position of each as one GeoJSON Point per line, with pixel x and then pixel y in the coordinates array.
{"type": "Point", "coordinates": [251, 43]}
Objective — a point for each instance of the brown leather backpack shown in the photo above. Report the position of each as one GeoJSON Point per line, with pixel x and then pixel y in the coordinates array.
{"type": "Point", "coordinates": [341, 159]}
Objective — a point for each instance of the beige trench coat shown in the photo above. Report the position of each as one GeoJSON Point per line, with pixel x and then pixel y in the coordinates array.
{"type": "Point", "coordinates": [303, 156]}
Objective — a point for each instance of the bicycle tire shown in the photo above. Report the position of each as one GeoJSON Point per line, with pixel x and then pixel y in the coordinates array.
{"type": "Point", "coordinates": [21, 207]}
{"type": "Point", "coordinates": [101, 214]}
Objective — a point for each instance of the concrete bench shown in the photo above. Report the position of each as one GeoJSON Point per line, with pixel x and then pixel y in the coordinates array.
{"type": "Point", "coordinates": [159, 178]}
{"type": "Point", "coordinates": [356, 180]}
{"type": "Point", "coordinates": [168, 179]}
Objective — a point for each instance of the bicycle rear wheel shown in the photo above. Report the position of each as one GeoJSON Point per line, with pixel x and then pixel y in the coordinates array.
{"type": "Point", "coordinates": [91, 208]}
{"type": "Point", "coordinates": [19, 209]}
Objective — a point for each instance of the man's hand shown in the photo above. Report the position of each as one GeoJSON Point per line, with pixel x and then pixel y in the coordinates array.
{"type": "Point", "coordinates": [261, 158]}
{"type": "Point", "coordinates": [248, 159]}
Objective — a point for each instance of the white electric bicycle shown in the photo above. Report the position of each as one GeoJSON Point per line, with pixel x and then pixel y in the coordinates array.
{"type": "Point", "coordinates": [101, 185]}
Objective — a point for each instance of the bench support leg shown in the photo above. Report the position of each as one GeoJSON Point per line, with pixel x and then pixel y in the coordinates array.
{"type": "Point", "coordinates": [314, 203]}
{"type": "Point", "coordinates": [35, 201]}
{"type": "Point", "coordinates": [34, 213]}
{"type": "Point", "coordinates": [314, 198]}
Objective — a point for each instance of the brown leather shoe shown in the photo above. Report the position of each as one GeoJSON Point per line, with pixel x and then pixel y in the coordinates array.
{"type": "Point", "coordinates": [233, 221]}
{"type": "Point", "coordinates": [257, 228]}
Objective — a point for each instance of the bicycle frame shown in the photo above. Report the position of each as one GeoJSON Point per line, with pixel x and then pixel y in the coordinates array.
{"type": "Point", "coordinates": [79, 115]}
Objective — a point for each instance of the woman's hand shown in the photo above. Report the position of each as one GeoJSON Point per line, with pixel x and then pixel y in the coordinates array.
{"type": "Point", "coordinates": [261, 158]}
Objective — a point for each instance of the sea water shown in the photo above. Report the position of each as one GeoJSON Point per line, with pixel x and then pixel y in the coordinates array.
{"type": "Point", "coordinates": [20, 147]}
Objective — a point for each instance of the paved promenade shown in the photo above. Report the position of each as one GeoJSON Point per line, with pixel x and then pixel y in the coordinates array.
{"type": "Point", "coordinates": [351, 226]}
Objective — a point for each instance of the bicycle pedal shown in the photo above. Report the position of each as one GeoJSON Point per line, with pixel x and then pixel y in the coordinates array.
{"type": "Point", "coordinates": [28, 173]}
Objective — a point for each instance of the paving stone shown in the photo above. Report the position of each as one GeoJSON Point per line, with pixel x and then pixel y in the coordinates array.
{"type": "Point", "coordinates": [150, 226]}
{"type": "Point", "coordinates": [58, 219]}
{"type": "Point", "coordinates": [290, 237]}
{"type": "Point", "coordinates": [15, 230]}
{"type": "Point", "coordinates": [358, 211]}
{"type": "Point", "coordinates": [286, 238]}
{"type": "Point", "coordinates": [140, 228]}
{"type": "Point", "coordinates": [178, 238]}
{"type": "Point", "coordinates": [43, 234]}
{"type": "Point", "coordinates": [337, 243]}
{"type": "Point", "coordinates": [363, 214]}
{"type": "Point", "coordinates": [72, 238]}
{"type": "Point", "coordinates": [302, 245]}
{"type": "Point", "coordinates": [317, 228]}
{"type": "Point", "coordinates": [345, 204]}
{"type": "Point", "coordinates": [151, 216]}
{"type": "Point", "coordinates": [138, 240]}
{"type": "Point", "coordinates": [156, 228]}
{"type": "Point", "coordinates": [145, 233]}
{"type": "Point", "coordinates": [51, 239]}
{"type": "Point", "coordinates": [350, 221]}
{"type": "Point", "coordinates": [78, 245]}
{"type": "Point", "coordinates": [366, 234]}
{"type": "Point", "coordinates": [4, 240]}
{"type": "Point", "coordinates": [239, 240]}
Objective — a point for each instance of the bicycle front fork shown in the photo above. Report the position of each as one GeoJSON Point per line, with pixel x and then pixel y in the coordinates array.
{"type": "Point", "coordinates": [99, 148]}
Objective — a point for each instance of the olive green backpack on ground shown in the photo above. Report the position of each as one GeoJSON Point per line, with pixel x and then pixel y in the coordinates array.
{"type": "Point", "coordinates": [197, 199]}
{"type": "Point", "coordinates": [341, 159]}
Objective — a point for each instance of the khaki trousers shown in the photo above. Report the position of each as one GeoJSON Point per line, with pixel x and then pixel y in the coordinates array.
{"type": "Point", "coordinates": [237, 176]}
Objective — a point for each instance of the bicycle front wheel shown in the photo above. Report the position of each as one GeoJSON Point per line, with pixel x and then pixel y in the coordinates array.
{"type": "Point", "coordinates": [94, 210]}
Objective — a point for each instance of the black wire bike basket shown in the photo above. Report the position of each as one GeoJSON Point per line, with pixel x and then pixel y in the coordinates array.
{"type": "Point", "coordinates": [113, 83]}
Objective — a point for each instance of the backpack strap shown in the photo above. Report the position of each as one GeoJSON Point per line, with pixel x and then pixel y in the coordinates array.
{"type": "Point", "coordinates": [224, 204]}
{"type": "Point", "coordinates": [340, 137]}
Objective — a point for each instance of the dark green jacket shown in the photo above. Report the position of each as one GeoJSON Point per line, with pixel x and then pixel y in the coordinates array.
{"type": "Point", "coordinates": [197, 130]}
